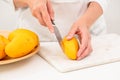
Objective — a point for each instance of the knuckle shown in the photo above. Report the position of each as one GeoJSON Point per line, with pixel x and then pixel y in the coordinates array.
{"type": "Point", "coordinates": [33, 11]}
{"type": "Point", "coordinates": [34, 14]}
{"type": "Point", "coordinates": [42, 23]}
{"type": "Point", "coordinates": [35, 8]}
{"type": "Point", "coordinates": [45, 17]}
{"type": "Point", "coordinates": [41, 7]}
{"type": "Point", "coordinates": [52, 12]}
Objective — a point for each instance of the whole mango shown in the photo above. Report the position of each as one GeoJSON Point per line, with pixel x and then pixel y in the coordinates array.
{"type": "Point", "coordinates": [3, 42]}
{"type": "Point", "coordinates": [22, 42]}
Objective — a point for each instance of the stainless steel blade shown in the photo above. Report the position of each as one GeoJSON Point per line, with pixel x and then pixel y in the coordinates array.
{"type": "Point", "coordinates": [57, 33]}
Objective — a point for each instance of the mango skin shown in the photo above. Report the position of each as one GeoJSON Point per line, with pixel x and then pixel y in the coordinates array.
{"type": "Point", "coordinates": [70, 47]}
{"type": "Point", "coordinates": [22, 42]}
{"type": "Point", "coordinates": [3, 42]}
{"type": "Point", "coordinates": [22, 31]}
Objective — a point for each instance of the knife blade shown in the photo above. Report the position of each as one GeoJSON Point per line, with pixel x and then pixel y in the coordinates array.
{"type": "Point", "coordinates": [57, 34]}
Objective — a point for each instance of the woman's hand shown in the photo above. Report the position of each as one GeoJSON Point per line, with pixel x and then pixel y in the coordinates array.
{"type": "Point", "coordinates": [41, 9]}
{"type": "Point", "coordinates": [81, 29]}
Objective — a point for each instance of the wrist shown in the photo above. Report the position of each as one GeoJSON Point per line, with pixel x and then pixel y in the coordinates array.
{"type": "Point", "coordinates": [83, 21]}
{"type": "Point", "coordinates": [92, 13]}
{"type": "Point", "coordinates": [20, 3]}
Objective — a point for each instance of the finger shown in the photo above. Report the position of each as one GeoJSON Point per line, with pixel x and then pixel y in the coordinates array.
{"type": "Point", "coordinates": [86, 52]}
{"type": "Point", "coordinates": [81, 50]}
{"type": "Point", "coordinates": [83, 43]}
{"type": "Point", "coordinates": [71, 32]}
{"type": "Point", "coordinates": [50, 10]}
{"type": "Point", "coordinates": [39, 17]}
{"type": "Point", "coordinates": [47, 19]}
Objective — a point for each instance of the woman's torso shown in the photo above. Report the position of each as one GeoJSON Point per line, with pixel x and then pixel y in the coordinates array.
{"type": "Point", "coordinates": [66, 12]}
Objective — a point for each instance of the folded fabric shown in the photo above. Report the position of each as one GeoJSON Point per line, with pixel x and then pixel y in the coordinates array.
{"type": "Point", "coordinates": [106, 49]}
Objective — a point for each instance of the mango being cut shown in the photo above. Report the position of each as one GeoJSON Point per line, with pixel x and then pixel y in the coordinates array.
{"type": "Point", "coordinates": [70, 47]}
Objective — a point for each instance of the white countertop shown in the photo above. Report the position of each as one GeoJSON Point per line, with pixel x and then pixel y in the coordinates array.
{"type": "Point", "coordinates": [35, 68]}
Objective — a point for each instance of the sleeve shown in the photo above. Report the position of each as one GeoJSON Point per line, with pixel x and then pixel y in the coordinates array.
{"type": "Point", "coordinates": [103, 3]}
{"type": "Point", "coordinates": [11, 3]}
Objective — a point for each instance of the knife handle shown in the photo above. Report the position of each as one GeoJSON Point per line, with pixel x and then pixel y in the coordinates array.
{"type": "Point", "coordinates": [53, 22]}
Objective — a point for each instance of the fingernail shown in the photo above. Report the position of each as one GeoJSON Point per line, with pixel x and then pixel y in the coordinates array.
{"type": "Point", "coordinates": [52, 18]}
{"type": "Point", "coordinates": [68, 37]}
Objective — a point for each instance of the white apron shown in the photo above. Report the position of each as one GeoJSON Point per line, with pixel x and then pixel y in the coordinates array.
{"type": "Point", "coordinates": [66, 13]}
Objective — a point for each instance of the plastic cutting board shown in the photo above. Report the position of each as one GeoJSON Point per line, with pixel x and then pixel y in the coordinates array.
{"type": "Point", "coordinates": [106, 49]}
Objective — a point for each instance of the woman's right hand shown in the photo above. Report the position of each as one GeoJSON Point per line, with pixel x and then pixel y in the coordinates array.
{"type": "Point", "coordinates": [42, 10]}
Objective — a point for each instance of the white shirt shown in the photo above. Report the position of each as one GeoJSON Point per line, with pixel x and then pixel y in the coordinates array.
{"type": "Point", "coordinates": [66, 12]}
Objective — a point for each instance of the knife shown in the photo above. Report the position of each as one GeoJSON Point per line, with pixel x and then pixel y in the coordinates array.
{"type": "Point", "coordinates": [57, 34]}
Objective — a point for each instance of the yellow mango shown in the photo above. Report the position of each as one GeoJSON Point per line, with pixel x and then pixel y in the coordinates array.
{"type": "Point", "coordinates": [3, 42]}
{"type": "Point", "coordinates": [20, 31]}
{"type": "Point", "coordinates": [22, 42]}
{"type": "Point", "coordinates": [70, 47]}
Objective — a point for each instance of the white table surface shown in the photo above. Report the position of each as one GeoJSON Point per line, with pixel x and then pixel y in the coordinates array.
{"type": "Point", "coordinates": [35, 68]}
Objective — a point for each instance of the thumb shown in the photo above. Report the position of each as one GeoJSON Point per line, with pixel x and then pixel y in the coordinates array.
{"type": "Point", "coordinates": [71, 33]}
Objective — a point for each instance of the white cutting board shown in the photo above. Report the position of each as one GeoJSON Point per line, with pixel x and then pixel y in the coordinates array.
{"type": "Point", "coordinates": [106, 49]}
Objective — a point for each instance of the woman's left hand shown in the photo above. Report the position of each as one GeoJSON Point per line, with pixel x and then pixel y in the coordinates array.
{"type": "Point", "coordinates": [81, 29]}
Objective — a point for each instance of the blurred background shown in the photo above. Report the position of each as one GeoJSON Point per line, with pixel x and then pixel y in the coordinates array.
{"type": "Point", "coordinates": [9, 18]}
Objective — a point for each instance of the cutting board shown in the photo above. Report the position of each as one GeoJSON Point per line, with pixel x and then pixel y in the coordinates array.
{"type": "Point", "coordinates": [106, 49]}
